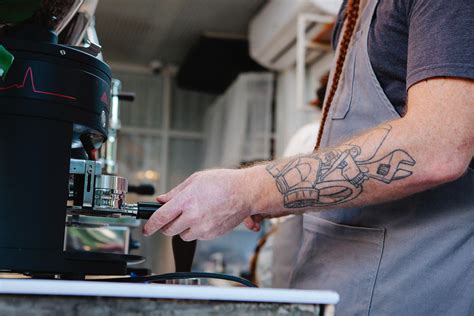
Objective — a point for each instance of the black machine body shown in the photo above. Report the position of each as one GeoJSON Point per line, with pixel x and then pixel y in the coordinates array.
{"type": "Point", "coordinates": [54, 104]}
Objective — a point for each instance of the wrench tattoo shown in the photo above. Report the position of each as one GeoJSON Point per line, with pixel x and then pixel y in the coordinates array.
{"type": "Point", "coordinates": [337, 176]}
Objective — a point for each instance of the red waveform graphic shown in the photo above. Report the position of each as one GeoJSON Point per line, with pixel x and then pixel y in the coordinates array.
{"type": "Point", "coordinates": [29, 75]}
{"type": "Point", "coordinates": [104, 98]}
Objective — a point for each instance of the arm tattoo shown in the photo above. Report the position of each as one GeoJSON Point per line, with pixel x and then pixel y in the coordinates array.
{"type": "Point", "coordinates": [337, 176]}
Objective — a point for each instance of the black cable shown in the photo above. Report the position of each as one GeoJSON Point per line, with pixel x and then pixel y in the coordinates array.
{"type": "Point", "coordinates": [180, 276]}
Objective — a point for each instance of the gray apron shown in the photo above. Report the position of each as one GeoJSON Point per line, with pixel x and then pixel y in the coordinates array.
{"type": "Point", "coordinates": [286, 244]}
{"type": "Point", "coordinates": [414, 256]}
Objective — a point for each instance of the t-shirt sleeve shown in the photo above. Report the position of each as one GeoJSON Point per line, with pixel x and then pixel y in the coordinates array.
{"type": "Point", "coordinates": [441, 40]}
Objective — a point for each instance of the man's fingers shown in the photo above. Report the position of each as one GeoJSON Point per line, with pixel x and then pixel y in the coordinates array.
{"type": "Point", "coordinates": [164, 198]}
{"type": "Point", "coordinates": [187, 235]}
{"type": "Point", "coordinates": [176, 226]}
{"type": "Point", "coordinates": [257, 227]}
{"type": "Point", "coordinates": [161, 217]}
{"type": "Point", "coordinates": [249, 223]}
{"type": "Point", "coordinates": [253, 222]}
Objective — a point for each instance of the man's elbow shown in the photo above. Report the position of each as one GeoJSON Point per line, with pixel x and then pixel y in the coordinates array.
{"type": "Point", "coordinates": [449, 169]}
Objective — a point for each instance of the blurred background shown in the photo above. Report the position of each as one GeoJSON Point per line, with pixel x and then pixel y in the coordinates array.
{"type": "Point", "coordinates": [218, 83]}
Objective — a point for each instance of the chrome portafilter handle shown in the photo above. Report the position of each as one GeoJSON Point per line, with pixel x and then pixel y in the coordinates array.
{"type": "Point", "coordinates": [104, 195]}
{"type": "Point", "coordinates": [141, 210]}
{"type": "Point", "coordinates": [110, 194]}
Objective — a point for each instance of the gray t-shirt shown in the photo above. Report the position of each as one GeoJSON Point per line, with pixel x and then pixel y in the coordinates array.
{"type": "Point", "coordinates": [413, 40]}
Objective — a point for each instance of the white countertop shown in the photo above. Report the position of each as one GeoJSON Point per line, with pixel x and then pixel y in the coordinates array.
{"type": "Point", "coordinates": [165, 291]}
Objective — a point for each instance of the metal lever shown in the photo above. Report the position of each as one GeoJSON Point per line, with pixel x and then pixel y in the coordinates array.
{"type": "Point", "coordinates": [93, 48]}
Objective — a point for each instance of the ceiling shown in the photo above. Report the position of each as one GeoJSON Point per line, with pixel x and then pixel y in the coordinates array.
{"type": "Point", "coordinates": [135, 32]}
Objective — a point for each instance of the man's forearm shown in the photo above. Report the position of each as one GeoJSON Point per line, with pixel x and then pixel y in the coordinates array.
{"type": "Point", "coordinates": [339, 175]}
{"type": "Point", "coordinates": [383, 164]}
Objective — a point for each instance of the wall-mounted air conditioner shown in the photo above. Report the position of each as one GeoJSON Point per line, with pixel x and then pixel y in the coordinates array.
{"type": "Point", "coordinates": [273, 31]}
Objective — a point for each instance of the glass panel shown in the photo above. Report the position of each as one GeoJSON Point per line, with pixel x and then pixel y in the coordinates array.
{"type": "Point", "coordinates": [146, 110]}
{"type": "Point", "coordinates": [98, 239]}
{"type": "Point", "coordinates": [188, 109]}
{"type": "Point", "coordinates": [185, 157]}
{"type": "Point", "coordinates": [139, 159]}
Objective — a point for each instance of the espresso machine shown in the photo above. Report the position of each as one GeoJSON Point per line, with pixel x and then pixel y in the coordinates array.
{"type": "Point", "coordinates": [55, 110]}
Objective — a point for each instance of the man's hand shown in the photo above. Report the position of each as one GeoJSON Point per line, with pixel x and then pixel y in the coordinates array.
{"type": "Point", "coordinates": [206, 205]}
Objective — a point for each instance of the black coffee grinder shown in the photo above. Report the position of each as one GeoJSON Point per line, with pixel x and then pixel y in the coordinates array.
{"type": "Point", "coordinates": [54, 110]}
